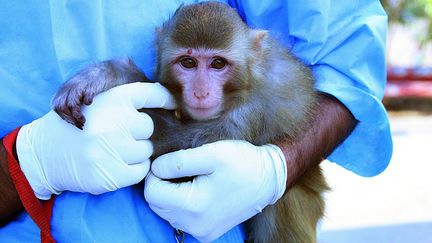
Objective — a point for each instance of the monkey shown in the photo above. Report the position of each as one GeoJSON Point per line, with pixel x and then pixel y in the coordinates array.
{"type": "Point", "coordinates": [230, 82]}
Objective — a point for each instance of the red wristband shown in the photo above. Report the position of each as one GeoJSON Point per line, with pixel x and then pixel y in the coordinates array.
{"type": "Point", "coordinates": [39, 212]}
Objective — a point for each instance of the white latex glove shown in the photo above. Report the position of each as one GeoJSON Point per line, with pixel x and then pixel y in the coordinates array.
{"type": "Point", "coordinates": [112, 151]}
{"type": "Point", "coordinates": [234, 181]}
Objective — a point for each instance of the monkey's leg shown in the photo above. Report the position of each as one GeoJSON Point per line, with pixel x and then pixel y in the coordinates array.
{"type": "Point", "coordinates": [295, 216]}
{"type": "Point", "coordinates": [94, 79]}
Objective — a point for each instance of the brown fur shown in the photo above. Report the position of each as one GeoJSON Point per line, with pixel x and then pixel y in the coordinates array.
{"type": "Point", "coordinates": [191, 33]}
{"type": "Point", "coordinates": [268, 96]}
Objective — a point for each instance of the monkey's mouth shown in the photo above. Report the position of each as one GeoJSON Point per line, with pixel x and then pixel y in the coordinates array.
{"type": "Point", "coordinates": [203, 112]}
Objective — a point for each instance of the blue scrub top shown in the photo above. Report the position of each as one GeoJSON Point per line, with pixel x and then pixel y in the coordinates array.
{"type": "Point", "coordinates": [42, 44]}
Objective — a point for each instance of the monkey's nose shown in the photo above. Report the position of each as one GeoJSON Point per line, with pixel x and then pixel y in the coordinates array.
{"type": "Point", "coordinates": [202, 95]}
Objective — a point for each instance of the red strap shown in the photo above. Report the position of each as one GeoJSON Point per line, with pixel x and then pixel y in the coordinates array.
{"type": "Point", "coordinates": [48, 207]}
{"type": "Point", "coordinates": [41, 215]}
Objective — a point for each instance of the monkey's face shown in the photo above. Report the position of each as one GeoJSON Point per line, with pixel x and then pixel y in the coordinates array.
{"type": "Point", "coordinates": [202, 74]}
{"type": "Point", "coordinates": [202, 59]}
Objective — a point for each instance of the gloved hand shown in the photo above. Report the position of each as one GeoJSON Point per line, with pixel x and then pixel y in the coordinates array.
{"type": "Point", "coordinates": [112, 151]}
{"type": "Point", "coordinates": [234, 181]}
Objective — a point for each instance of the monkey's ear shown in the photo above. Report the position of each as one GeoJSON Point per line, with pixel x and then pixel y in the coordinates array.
{"type": "Point", "coordinates": [258, 38]}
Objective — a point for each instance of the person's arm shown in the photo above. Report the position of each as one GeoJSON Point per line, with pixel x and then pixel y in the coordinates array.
{"type": "Point", "coordinates": [333, 122]}
{"type": "Point", "coordinates": [344, 44]}
{"type": "Point", "coordinates": [10, 203]}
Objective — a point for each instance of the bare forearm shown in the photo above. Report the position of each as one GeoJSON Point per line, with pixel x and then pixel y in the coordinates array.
{"type": "Point", "coordinates": [332, 123]}
{"type": "Point", "coordinates": [10, 203]}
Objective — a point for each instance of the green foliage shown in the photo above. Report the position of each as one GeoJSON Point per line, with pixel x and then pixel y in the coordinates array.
{"type": "Point", "coordinates": [406, 11]}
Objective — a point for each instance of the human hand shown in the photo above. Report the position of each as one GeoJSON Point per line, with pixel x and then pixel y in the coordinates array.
{"type": "Point", "coordinates": [111, 152]}
{"type": "Point", "coordinates": [234, 180]}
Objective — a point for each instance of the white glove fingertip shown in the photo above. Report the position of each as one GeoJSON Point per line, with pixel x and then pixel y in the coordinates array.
{"type": "Point", "coordinates": [134, 152]}
{"type": "Point", "coordinates": [140, 126]}
{"type": "Point", "coordinates": [164, 194]}
{"type": "Point", "coordinates": [151, 189]}
{"type": "Point", "coordinates": [147, 95]}
{"type": "Point", "coordinates": [167, 98]}
{"type": "Point", "coordinates": [136, 173]}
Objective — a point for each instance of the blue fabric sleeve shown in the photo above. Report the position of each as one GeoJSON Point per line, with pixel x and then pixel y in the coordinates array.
{"type": "Point", "coordinates": [344, 43]}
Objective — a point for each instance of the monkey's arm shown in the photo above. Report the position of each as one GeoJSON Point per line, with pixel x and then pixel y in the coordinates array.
{"type": "Point", "coordinates": [332, 123]}
{"type": "Point", "coordinates": [92, 80]}
{"type": "Point", "coordinates": [10, 204]}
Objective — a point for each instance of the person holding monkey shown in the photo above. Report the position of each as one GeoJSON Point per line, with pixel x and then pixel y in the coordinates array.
{"type": "Point", "coordinates": [349, 84]}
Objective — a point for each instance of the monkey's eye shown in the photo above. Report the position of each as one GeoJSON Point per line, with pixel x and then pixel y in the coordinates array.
{"type": "Point", "coordinates": [188, 62]}
{"type": "Point", "coordinates": [218, 63]}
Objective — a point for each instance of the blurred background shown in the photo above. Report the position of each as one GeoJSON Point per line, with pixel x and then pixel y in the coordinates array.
{"type": "Point", "coordinates": [395, 206]}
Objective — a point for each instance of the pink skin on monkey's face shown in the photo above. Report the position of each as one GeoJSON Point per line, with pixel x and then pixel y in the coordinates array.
{"type": "Point", "coordinates": [202, 74]}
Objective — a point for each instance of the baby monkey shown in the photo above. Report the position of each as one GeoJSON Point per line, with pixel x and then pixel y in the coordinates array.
{"type": "Point", "coordinates": [230, 82]}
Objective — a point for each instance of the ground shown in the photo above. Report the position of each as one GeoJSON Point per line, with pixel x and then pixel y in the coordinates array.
{"type": "Point", "coordinates": [395, 206]}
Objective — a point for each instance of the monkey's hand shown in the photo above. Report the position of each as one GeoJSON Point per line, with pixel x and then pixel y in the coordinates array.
{"type": "Point", "coordinates": [233, 181]}
{"type": "Point", "coordinates": [92, 80]}
{"type": "Point", "coordinates": [112, 151]}
{"type": "Point", "coordinates": [70, 97]}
